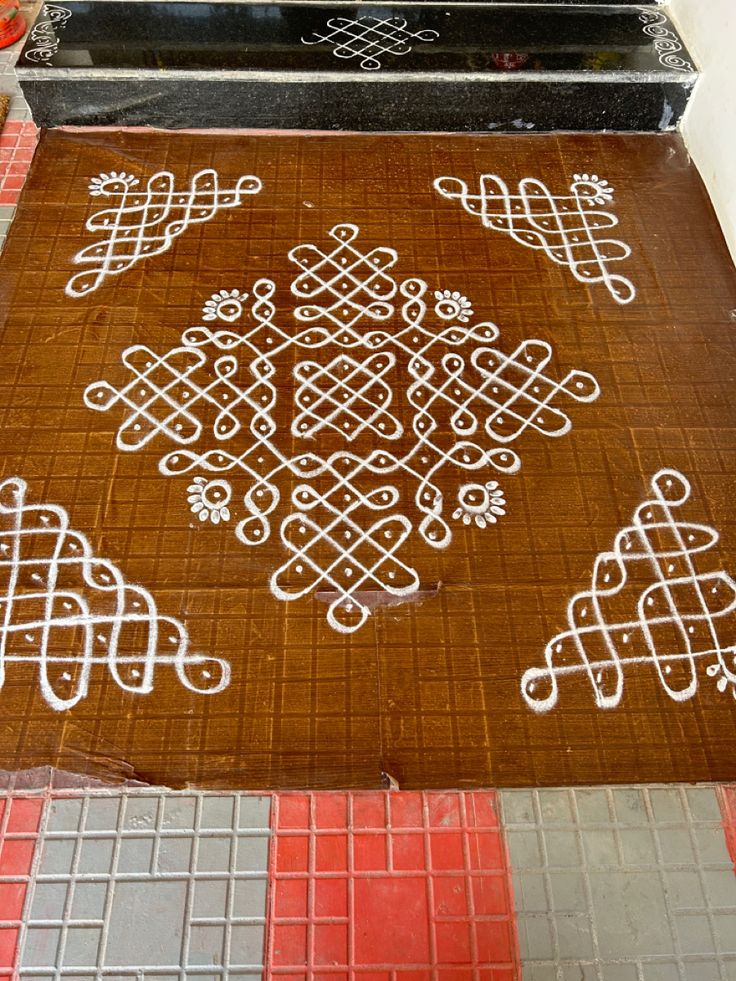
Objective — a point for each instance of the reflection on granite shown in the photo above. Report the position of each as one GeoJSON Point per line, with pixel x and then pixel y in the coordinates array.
{"type": "Point", "coordinates": [312, 36]}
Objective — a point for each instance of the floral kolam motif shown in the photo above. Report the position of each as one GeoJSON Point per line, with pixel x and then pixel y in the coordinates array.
{"type": "Point", "coordinates": [388, 384]}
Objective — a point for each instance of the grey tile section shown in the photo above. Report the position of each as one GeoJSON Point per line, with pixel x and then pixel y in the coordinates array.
{"type": "Point", "coordinates": [622, 884]}
{"type": "Point", "coordinates": [145, 884]}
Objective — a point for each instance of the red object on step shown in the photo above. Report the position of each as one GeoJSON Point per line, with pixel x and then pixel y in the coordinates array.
{"type": "Point", "coordinates": [390, 885]}
{"type": "Point", "coordinates": [12, 23]}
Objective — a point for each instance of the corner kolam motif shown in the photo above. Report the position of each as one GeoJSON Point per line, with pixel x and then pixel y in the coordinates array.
{"type": "Point", "coordinates": [138, 223]}
{"type": "Point", "coordinates": [649, 608]}
{"type": "Point", "coordinates": [68, 612]}
{"type": "Point", "coordinates": [330, 425]}
{"type": "Point", "coordinates": [569, 229]}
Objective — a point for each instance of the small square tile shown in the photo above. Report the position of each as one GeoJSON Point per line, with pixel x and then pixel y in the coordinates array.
{"type": "Point", "coordinates": [331, 897]}
{"type": "Point", "coordinates": [535, 938]}
{"type": "Point", "coordinates": [330, 943]}
{"type": "Point", "coordinates": [638, 846]}
{"type": "Point", "coordinates": [562, 848]}
{"type": "Point", "coordinates": [254, 812]}
{"type": "Point", "coordinates": [574, 937]}
{"type": "Point", "coordinates": [82, 946]}
{"type": "Point", "coordinates": [369, 852]}
{"type": "Point", "coordinates": [49, 901]}
{"type": "Point", "coordinates": [175, 855]}
{"type": "Point", "coordinates": [694, 934]}
{"type": "Point", "coordinates": [246, 946]}
{"type": "Point", "coordinates": [141, 813]}
{"type": "Point", "coordinates": [449, 896]}
{"type": "Point", "coordinates": [249, 899]}
{"type": "Point", "coordinates": [179, 813]}
{"type": "Point", "coordinates": [135, 855]}
{"type": "Point", "coordinates": [102, 814]}
{"type": "Point", "coordinates": [294, 811]}
{"type": "Point", "coordinates": [703, 804]}
{"type": "Point", "coordinates": [600, 847]}
{"type": "Point", "coordinates": [95, 855]}
{"type": "Point", "coordinates": [407, 852]}
{"type": "Point", "coordinates": [406, 810]}
{"type": "Point", "coordinates": [443, 810]}
{"type": "Point", "coordinates": [206, 945]}
{"type": "Point", "coordinates": [89, 899]}
{"type": "Point", "coordinates": [453, 942]}
{"type": "Point", "coordinates": [555, 806]}
{"type": "Point", "coordinates": [684, 889]}
{"type": "Point", "coordinates": [331, 811]}
{"type": "Point", "coordinates": [446, 850]}
{"type": "Point", "coordinates": [720, 888]}
{"type": "Point", "coordinates": [57, 856]}
{"type": "Point", "coordinates": [213, 854]}
{"type": "Point", "coordinates": [41, 947]}
{"type": "Point", "coordinates": [712, 846]}
{"type": "Point", "coordinates": [210, 898]}
{"type": "Point", "coordinates": [331, 853]}
{"type": "Point", "coordinates": [568, 891]}
{"type": "Point", "coordinates": [12, 897]}
{"type": "Point", "coordinates": [64, 815]}
{"type": "Point", "coordinates": [290, 899]}
{"type": "Point", "coordinates": [251, 853]}
{"type": "Point", "coordinates": [667, 806]}
{"type": "Point", "coordinates": [517, 807]}
{"type": "Point", "coordinates": [292, 853]}
{"type": "Point", "coordinates": [676, 846]}
{"type": "Point", "coordinates": [369, 810]}
{"type": "Point", "coordinates": [217, 812]}
{"type": "Point", "coordinates": [524, 849]}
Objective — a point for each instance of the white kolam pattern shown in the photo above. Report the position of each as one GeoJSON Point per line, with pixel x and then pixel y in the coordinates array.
{"type": "Point", "coordinates": [569, 229]}
{"type": "Point", "coordinates": [678, 618]}
{"type": "Point", "coordinates": [369, 39]}
{"type": "Point", "coordinates": [140, 224]}
{"type": "Point", "coordinates": [372, 358]}
{"type": "Point", "coordinates": [68, 612]}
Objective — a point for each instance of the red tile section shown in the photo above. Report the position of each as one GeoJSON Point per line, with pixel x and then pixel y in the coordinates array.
{"type": "Point", "coordinates": [19, 821]}
{"type": "Point", "coordinates": [384, 886]}
{"type": "Point", "coordinates": [727, 797]}
{"type": "Point", "coordinates": [17, 145]}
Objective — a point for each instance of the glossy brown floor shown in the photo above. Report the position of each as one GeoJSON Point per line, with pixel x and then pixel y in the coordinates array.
{"type": "Point", "coordinates": [428, 689]}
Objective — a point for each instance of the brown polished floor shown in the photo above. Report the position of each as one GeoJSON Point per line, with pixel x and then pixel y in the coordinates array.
{"type": "Point", "coordinates": [364, 504]}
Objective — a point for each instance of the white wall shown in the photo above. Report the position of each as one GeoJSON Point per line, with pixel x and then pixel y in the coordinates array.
{"type": "Point", "coordinates": [709, 30]}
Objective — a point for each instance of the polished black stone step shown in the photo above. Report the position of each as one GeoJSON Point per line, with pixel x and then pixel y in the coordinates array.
{"type": "Point", "coordinates": [415, 66]}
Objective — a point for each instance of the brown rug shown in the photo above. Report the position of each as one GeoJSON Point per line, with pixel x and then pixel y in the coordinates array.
{"type": "Point", "coordinates": [332, 459]}
{"type": "Point", "coordinates": [4, 106]}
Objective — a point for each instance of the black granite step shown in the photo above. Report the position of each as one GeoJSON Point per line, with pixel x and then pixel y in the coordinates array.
{"type": "Point", "coordinates": [399, 67]}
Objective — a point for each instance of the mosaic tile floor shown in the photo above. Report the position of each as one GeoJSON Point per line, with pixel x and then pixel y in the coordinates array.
{"type": "Point", "coordinates": [606, 884]}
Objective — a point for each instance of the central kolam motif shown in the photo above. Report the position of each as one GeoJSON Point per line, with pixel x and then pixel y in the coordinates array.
{"type": "Point", "coordinates": [331, 425]}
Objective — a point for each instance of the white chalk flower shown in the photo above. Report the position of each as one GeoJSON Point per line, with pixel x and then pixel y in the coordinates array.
{"type": "Point", "coordinates": [482, 503]}
{"type": "Point", "coordinates": [595, 190]}
{"type": "Point", "coordinates": [452, 306]}
{"type": "Point", "coordinates": [112, 183]}
{"type": "Point", "coordinates": [226, 305]}
{"type": "Point", "coordinates": [209, 499]}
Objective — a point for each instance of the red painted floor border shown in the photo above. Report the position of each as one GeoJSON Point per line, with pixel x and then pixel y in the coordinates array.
{"type": "Point", "coordinates": [392, 885]}
{"type": "Point", "coordinates": [19, 822]}
{"type": "Point", "coordinates": [17, 146]}
{"type": "Point", "coordinates": [727, 798]}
